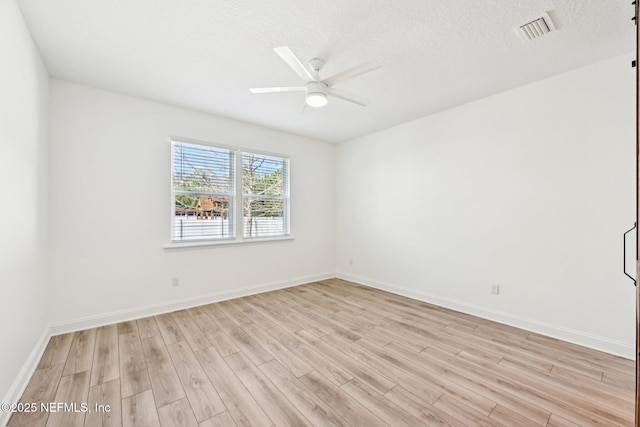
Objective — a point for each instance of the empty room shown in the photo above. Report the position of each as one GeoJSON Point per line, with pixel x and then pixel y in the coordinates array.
{"type": "Point", "coordinates": [292, 213]}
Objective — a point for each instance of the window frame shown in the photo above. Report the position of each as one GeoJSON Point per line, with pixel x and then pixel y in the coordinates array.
{"type": "Point", "coordinates": [237, 197]}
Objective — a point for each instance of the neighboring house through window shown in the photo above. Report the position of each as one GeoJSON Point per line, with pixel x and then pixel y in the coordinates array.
{"type": "Point", "coordinates": [211, 201]}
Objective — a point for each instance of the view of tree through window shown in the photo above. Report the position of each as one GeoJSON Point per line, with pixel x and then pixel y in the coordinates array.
{"type": "Point", "coordinates": [205, 188]}
{"type": "Point", "coordinates": [264, 197]}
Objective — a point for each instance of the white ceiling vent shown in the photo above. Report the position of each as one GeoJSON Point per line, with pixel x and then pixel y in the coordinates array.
{"type": "Point", "coordinates": [536, 28]}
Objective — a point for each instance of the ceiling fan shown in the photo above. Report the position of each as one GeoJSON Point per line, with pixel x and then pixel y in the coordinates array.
{"type": "Point", "coordinates": [318, 90]}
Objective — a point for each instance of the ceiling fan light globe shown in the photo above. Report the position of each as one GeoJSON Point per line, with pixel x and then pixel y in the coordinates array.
{"type": "Point", "coordinates": [316, 99]}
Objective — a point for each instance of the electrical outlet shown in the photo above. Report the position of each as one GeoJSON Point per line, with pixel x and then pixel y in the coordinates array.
{"type": "Point", "coordinates": [350, 261]}
{"type": "Point", "coordinates": [175, 282]}
{"type": "Point", "coordinates": [495, 289]}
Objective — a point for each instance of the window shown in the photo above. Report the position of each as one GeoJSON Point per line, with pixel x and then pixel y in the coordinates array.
{"type": "Point", "coordinates": [203, 192]}
{"type": "Point", "coordinates": [211, 202]}
{"type": "Point", "coordinates": [265, 198]}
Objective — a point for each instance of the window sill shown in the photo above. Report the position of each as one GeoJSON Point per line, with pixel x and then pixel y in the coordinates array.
{"type": "Point", "coordinates": [230, 242]}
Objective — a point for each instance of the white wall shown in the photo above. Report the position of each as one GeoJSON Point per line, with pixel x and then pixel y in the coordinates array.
{"type": "Point", "coordinates": [531, 189]}
{"type": "Point", "coordinates": [23, 134]}
{"type": "Point", "coordinates": [110, 207]}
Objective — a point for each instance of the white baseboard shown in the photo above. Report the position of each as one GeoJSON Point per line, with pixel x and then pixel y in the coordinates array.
{"type": "Point", "coordinates": [618, 348]}
{"type": "Point", "coordinates": [103, 319]}
{"type": "Point", "coordinates": [28, 368]}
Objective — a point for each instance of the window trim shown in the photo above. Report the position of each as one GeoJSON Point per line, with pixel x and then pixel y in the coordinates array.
{"type": "Point", "coordinates": [237, 197]}
{"type": "Point", "coordinates": [191, 244]}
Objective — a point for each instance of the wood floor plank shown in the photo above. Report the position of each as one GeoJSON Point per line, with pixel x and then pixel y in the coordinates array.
{"type": "Point", "coordinates": [413, 364]}
{"type": "Point", "coordinates": [105, 367]}
{"type": "Point", "coordinates": [463, 413]}
{"type": "Point", "coordinates": [374, 379]}
{"type": "Point", "coordinates": [360, 328]}
{"type": "Point", "coordinates": [233, 313]}
{"type": "Point", "coordinates": [325, 320]}
{"type": "Point", "coordinates": [405, 306]}
{"type": "Point", "coordinates": [203, 397]}
{"type": "Point", "coordinates": [349, 305]}
{"type": "Point", "coordinates": [253, 315]}
{"type": "Point", "coordinates": [557, 421]}
{"type": "Point", "coordinates": [220, 420]}
{"type": "Point", "coordinates": [193, 335]}
{"type": "Point", "coordinates": [385, 409]}
{"type": "Point", "coordinates": [374, 302]}
{"type": "Point", "coordinates": [419, 408]}
{"type": "Point", "coordinates": [41, 388]}
{"type": "Point", "coordinates": [442, 362]}
{"type": "Point", "coordinates": [279, 409]}
{"type": "Point", "coordinates": [315, 328]}
{"type": "Point", "coordinates": [218, 338]}
{"type": "Point", "coordinates": [214, 311]}
{"type": "Point", "coordinates": [390, 367]}
{"type": "Point", "coordinates": [275, 316]}
{"type": "Point", "coordinates": [526, 348]}
{"type": "Point", "coordinates": [310, 405]}
{"type": "Point", "coordinates": [248, 345]}
{"type": "Point", "coordinates": [578, 380]}
{"type": "Point", "coordinates": [240, 404]}
{"type": "Point", "coordinates": [147, 327]}
{"type": "Point", "coordinates": [494, 349]}
{"type": "Point", "coordinates": [168, 329]}
{"type": "Point", "coordinates": [139, 410]}
{"type": "Point", "coordinates": [73, 390]}
{"type": "Point", "coordinates": [134, 376]}
{"type": "Point", "coordinates": [465, 340]}
{"type": "Point", "coordinates": [322, 364]}
{"type": "Point", "coordinates": [364, 328]}
{"type": "Point", "coordinates": [569, 406]}
{"type": "Point", "coordinates": [317, 292]}
{"type": "Point", "coordinates": [80, 355]}
{"type": "Point", "coordinates": [281, 353]}
{"type": "Point", "coordinates": [592, 399]}
{"type": "Point", "coordinates": [57, 351]}
{"type": "Point", "coordinates": [128, 327]}
{"type": "Point", "coordinates": [624, 381]}
{"type": "Point", "coordinates": [165, 383]}
{"type": "Point", "coordinates": [509, 417]}
{"type": "Point", "coordinates": [424, 336]}
{"type": "Point", "coordinates": [177, 414]}
{"type": "Point", "coordinates": [586, 391]}
{"type": "Point", "coordinates": [582, 355]}
{"type": "Point", "coordinates": [105, 405]}
{"type": "Point", "coordinates": [335, 398]}
{"type": "Point", "coordinates": [543, 367]}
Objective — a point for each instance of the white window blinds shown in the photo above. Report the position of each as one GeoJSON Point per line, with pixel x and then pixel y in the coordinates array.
{"type": "Point", "coordinates": [208, 205]}
{"type": "Point", "coordinates": [203, 192]}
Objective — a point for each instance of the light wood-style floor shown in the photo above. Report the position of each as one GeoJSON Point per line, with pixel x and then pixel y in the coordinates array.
{"type": "Point", "coordinates": [326, 353]}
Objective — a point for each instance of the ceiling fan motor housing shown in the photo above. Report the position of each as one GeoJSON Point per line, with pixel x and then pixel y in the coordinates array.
{"type": "Point", "coordinates": [317, 87]}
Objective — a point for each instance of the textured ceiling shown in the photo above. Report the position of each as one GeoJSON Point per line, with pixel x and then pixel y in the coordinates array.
{"type": "Point", "coordinates": [205, 54]}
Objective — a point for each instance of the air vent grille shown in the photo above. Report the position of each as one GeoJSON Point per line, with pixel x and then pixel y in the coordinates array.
{"type": "Point", "coordinates": [536, 28]}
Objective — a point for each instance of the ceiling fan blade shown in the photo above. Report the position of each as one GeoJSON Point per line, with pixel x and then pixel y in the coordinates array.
{"type": "Point", "coordinates": [353, 72]}
{"type": "Point", "coordinates": [276, 89]}
{"type": "Point", "coordinates": [346, 96]}
{"type": "Point", "coordinates": [296, 65]}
